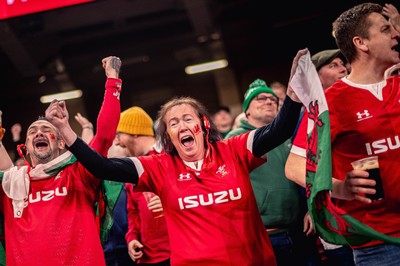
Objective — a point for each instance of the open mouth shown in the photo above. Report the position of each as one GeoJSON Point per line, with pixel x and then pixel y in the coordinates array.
{"type": "Point", "coordinates": [41, 143]}
{"type": "Point", "coordinates": [396, 48]}
{"type": "Point", "coordinates": [187, 141]}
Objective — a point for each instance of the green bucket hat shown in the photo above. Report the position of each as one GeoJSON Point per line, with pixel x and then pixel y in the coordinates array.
{"type": "Point", "coordinates": [258, 86]}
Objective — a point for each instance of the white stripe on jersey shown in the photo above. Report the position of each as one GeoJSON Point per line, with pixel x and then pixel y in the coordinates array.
{"type": "Point", "coordinates": [250, 140]}
{"type": "Point", "coordinates": [138, 165]}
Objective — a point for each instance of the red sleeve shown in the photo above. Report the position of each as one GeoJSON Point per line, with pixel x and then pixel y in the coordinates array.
{"type": "Point", "coordinates": [133, 214]}
{"type": "Point", "coordinates": [333, 118]}
{"type": "Point", "coordinates": [108, 118]}
{"type": "Point", "coordinates": [107, 123]}
{"type": "Point", "coordinates": [300, 140]}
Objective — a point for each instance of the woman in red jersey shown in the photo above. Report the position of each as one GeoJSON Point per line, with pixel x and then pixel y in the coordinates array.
{"type": "Point", "coordinates": [203, 182]}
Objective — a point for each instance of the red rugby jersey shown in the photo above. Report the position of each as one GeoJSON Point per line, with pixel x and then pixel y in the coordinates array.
{"type": "Point", "coordinates": [212, 215]}
{"type": "Point", "coordinates": [58, 226]}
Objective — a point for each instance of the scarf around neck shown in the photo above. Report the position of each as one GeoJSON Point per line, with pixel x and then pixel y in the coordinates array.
{"type": "Point", "coordinates": [16, 181]}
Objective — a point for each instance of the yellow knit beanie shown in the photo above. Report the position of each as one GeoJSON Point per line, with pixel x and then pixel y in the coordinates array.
{"type": "Point", "coordinates": [135, 121]}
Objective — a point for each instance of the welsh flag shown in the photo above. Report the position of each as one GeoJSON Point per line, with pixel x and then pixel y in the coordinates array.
{"type": "Point", "coordinates": [333, 224]}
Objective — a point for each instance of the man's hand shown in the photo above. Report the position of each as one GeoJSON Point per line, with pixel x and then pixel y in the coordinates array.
{"type": "Point", "coordinates": [112, 66]}
{"type": "Point", "coordinates": [392, 13]}
{"type": "Point", "coordinates": [154, 204]}
{"type": "Point", "coordinates": [290, 91]}
{"type": "Point", "coordinates": [354, 187]}
{"type": "Point", "coordinates": [308, 227]}
{"type": "Point", "coordinates": [57, 113]}
{"type": "Point", "coordinates": [83, 121]}
{"type": "Point", "coordinates": [16, 132]}
{"type": "Point", "coordinates": [392, 71]}
{"type": "Point", "coordinates": [135, 249]}
{"type": "Point", "coordinates": [87, 128]}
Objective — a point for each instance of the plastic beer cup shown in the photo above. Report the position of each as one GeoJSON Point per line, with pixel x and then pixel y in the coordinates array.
{"type": "Point", "coordinates": [371, 165]}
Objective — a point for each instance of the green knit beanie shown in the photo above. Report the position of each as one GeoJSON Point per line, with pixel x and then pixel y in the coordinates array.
{"type": "Point", "coordinates": [258, 86]}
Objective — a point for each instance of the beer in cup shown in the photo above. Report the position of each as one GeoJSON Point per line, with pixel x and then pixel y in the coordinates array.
{"type": "Point", "coordinates": [371, 165]}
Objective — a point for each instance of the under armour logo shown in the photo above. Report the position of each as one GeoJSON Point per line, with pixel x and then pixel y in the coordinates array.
{"type": "Point", "coordinates": [362, 116]}
{"type": "Point", "coordinates": [184, 177]}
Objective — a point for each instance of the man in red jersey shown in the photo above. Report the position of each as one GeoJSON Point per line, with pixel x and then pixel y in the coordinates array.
{"type": "Point", "coordinates": [48, 204]}
{"type": "Point", "coordinates": [330, 66]}
{"type": "Point", "coordinates": [147, 236]}
{"type": "Point", "coordinates": [364, 116]}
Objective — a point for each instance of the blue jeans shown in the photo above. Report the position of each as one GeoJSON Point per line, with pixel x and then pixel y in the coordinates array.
{"type": "Point", "coordinates": [118, 257]}
{"type": "Point", "coordinates": [342, 256]}
{"type": "Point", "coordinates": [282, 244]}
{"type": "Point", "coordinates": [381, 255]}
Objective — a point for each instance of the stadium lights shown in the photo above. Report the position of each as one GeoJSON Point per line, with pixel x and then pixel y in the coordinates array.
{"type": "Point", "coordinates": [68, 95]}
{"type": "Point", "coordinates": [203, 67]}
